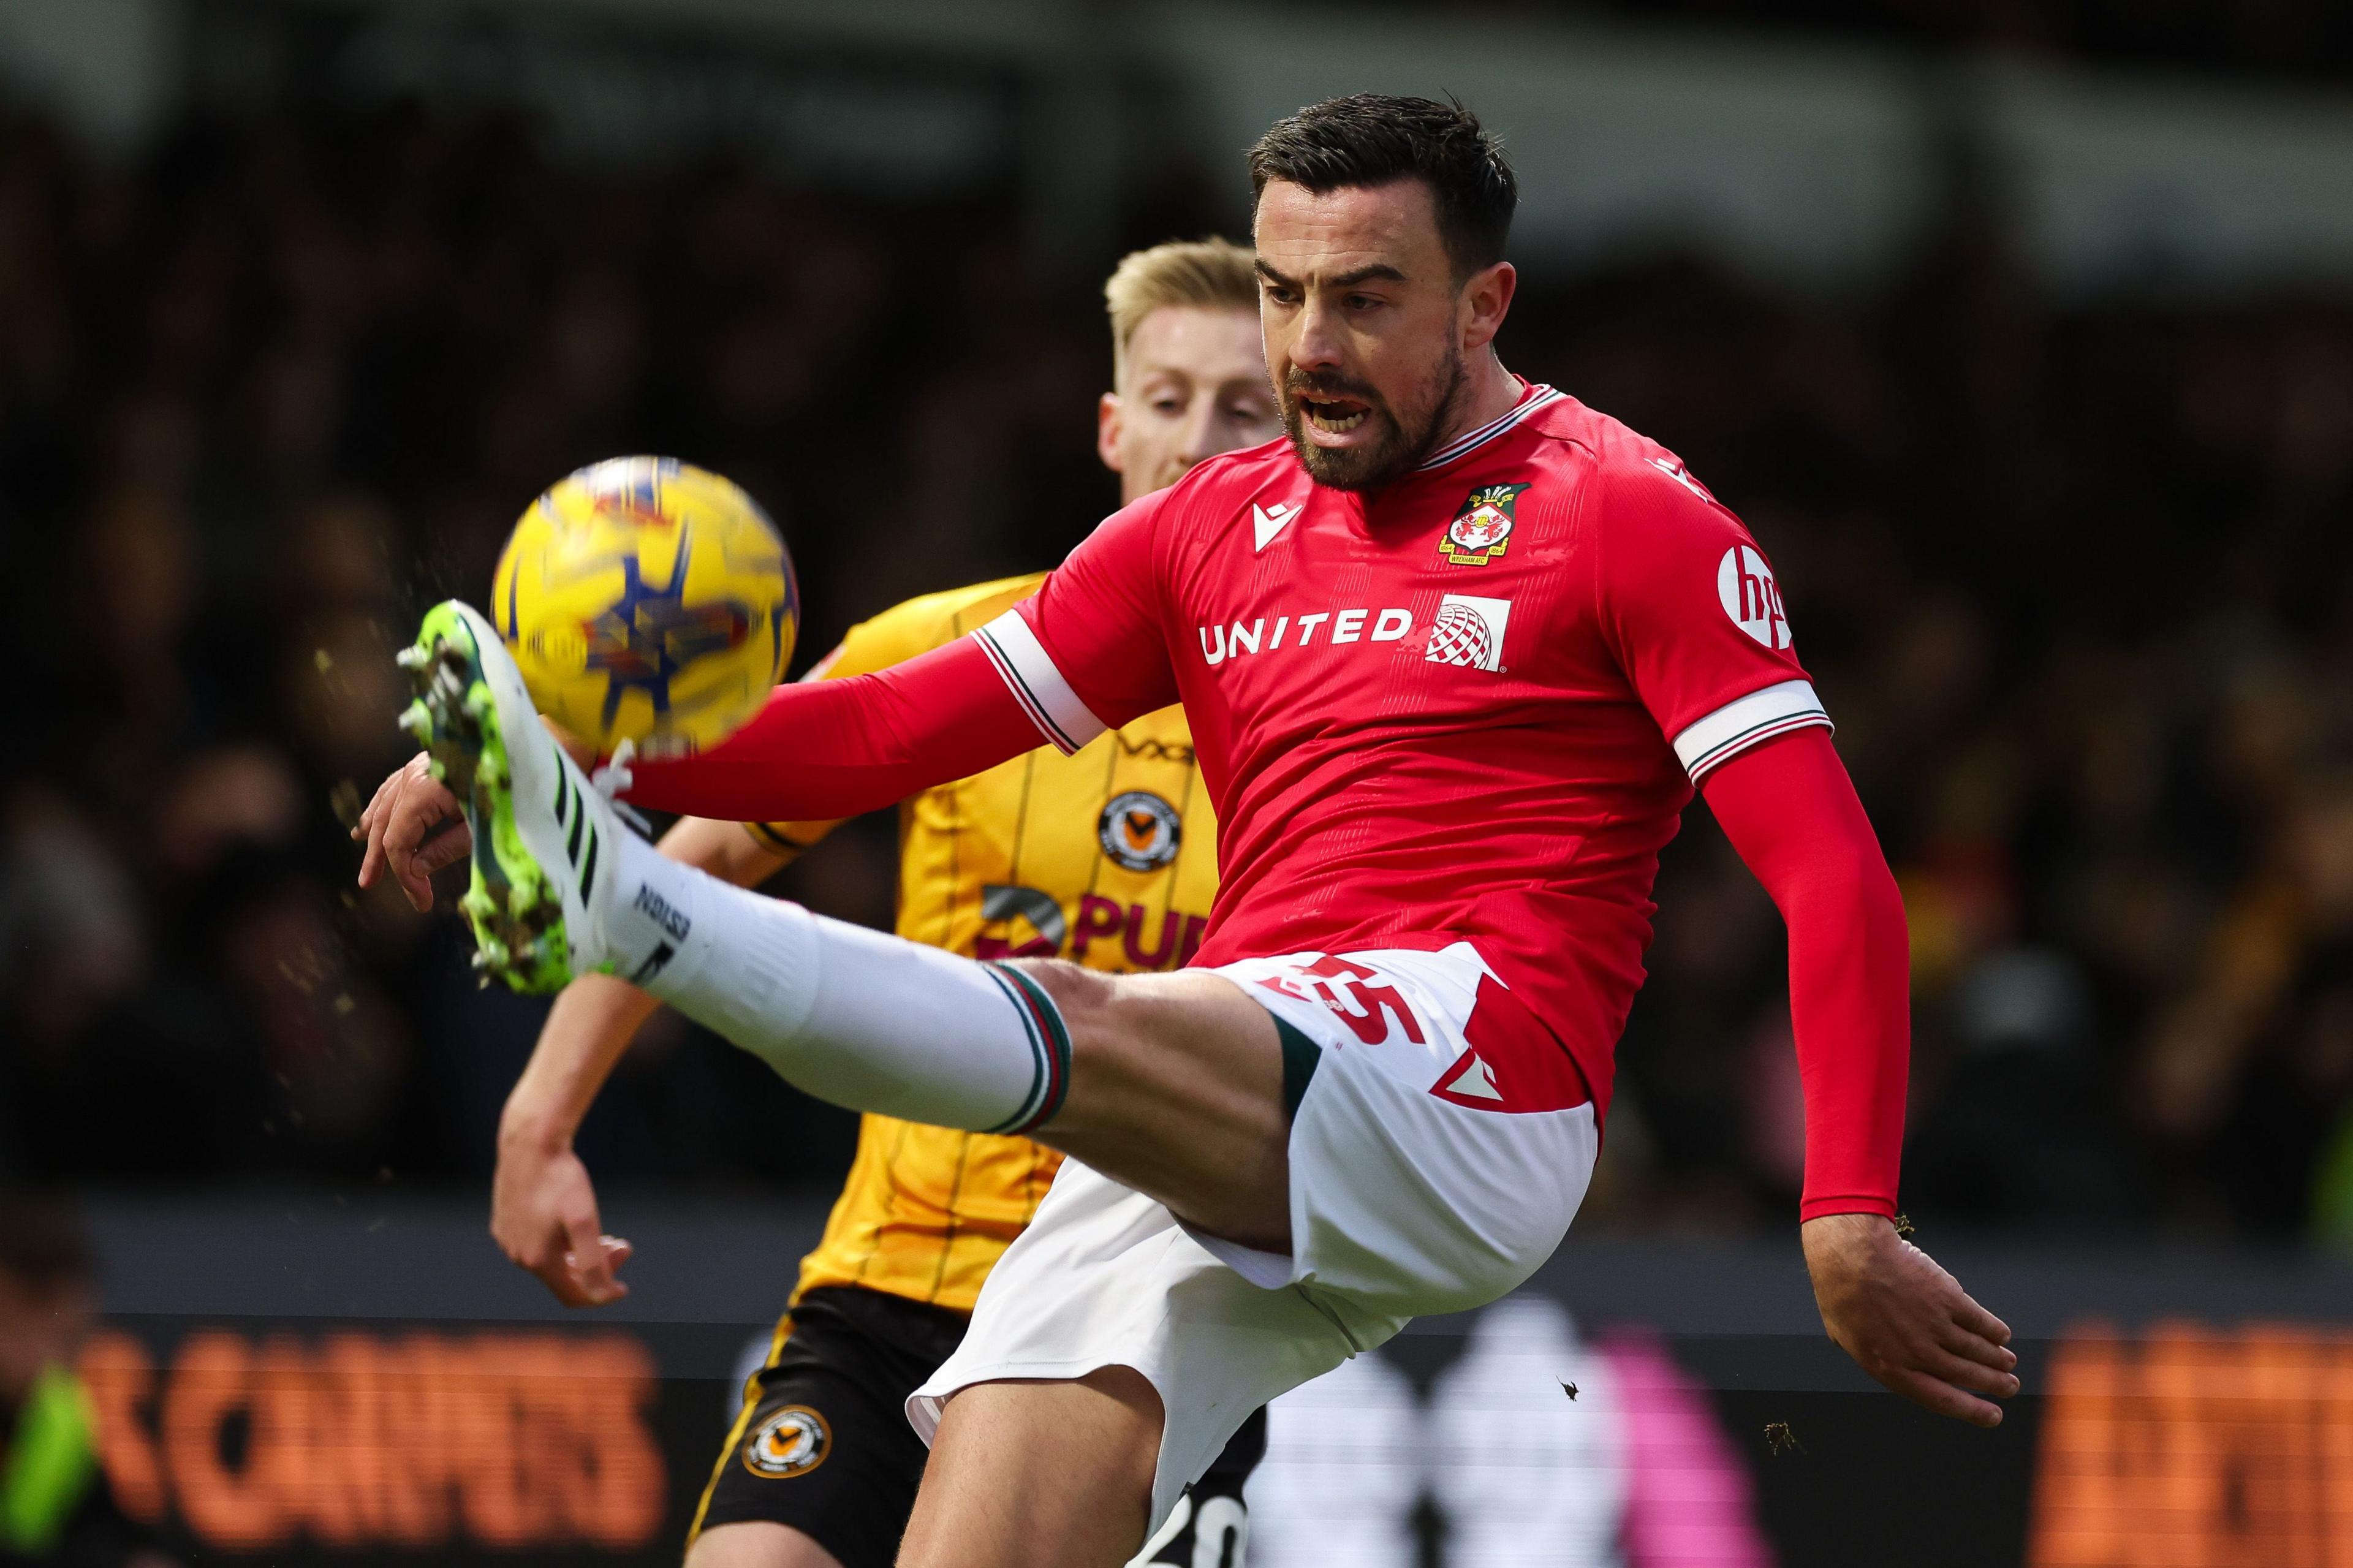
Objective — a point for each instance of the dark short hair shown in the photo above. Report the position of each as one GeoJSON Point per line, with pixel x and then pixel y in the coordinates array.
{"type": "Point", "coordinates": [1372, 139]}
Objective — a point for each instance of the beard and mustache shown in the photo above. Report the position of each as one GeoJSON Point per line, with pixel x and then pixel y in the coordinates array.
{"type": "Point", "coordinates": [1406, 437]}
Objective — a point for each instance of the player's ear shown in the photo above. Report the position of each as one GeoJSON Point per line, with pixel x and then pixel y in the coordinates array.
{"type": "Point", "coordinates": [1107, 430]}
{"type": "Point", "coordinates": [1485, 299]}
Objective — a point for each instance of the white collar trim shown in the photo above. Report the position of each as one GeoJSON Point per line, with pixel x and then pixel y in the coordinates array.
{"type": "Point", "coordinates": [1537, 397]}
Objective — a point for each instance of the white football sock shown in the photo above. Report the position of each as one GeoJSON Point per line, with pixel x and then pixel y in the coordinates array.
{"type": "Point", "coordinates": [866, 1021]}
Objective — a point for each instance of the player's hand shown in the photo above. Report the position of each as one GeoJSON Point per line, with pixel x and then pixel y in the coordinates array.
{"type": "Point", "coordinates": [544, 1216]}
{"type": "Point", "coordinates": [413, 827]}
{"type": "Point", "coordinates": [1907, 1321]}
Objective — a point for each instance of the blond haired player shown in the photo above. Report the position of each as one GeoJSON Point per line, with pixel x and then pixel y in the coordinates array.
{"type": "Point", "coordinates": [1106, 857]}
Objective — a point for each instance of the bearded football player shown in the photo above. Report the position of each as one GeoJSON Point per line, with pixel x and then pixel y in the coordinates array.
{"type": "Point", "coordinates": [1456, 655]}
{"type": "Point", "coordinates": [1107, 856]}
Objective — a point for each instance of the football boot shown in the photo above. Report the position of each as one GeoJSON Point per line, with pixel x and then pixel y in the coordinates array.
{"type": "Point", "coordinates": [547, 839]}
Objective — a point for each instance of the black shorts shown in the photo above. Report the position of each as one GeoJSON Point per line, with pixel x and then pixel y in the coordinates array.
{"type": "Point", "coordinates": [825, 1445]}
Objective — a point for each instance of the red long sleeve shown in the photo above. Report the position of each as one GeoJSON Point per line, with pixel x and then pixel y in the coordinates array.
{"type": "Point", "coordinates": [1789, 809]}
{"type": "Point", "coordinates": [828, 749]}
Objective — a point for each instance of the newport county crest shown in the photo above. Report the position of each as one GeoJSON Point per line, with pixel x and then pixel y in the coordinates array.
{"type": "Point", "coordinates": [1482, 529]}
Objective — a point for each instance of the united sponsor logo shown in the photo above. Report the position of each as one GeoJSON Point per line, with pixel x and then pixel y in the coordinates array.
{"type": "Point", "coordinates": [1483, 530]}
{"type": "Point", "coordinates": [1139, 830]}
{"type": "Point", "coordinates": [792, 1442]}
{"type": "Point", "coordinates": [1468, 630]}
{"type": "Point", "coordinates": [1221, 643]}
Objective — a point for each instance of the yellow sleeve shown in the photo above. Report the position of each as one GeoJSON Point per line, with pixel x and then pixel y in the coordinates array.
{"type": "Point", "coordinates": [894, 636]}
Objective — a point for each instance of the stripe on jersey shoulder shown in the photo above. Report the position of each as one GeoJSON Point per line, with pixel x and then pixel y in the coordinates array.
{"type": "Point", "coordinates": [1746, 720]}
{"type": "Point", "coordinates": [1035, 684]}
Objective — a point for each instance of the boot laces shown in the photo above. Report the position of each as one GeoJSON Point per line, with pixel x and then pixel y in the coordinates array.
{"type": "Point", "coordinates": [614, 779]}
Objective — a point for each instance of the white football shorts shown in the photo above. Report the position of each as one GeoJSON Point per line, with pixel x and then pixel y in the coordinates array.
{"type": "Point", "coordinates": [1438, 1154]}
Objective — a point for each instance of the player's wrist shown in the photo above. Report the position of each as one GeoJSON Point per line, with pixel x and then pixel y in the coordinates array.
{"type": "Point", "coordinates": [1831, 1238]}
{"type": "Point", "coordinates": [526, 1127]}
{"type": "Point", "coordinates": [1846, 1221]}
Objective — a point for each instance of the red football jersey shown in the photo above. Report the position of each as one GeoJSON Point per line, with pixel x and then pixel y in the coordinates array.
{"type": "Point", "coordinates": [1471, 705]}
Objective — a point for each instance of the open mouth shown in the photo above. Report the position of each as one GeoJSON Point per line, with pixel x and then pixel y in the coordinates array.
{"type": "Point", "coordinates": [1333, 416]}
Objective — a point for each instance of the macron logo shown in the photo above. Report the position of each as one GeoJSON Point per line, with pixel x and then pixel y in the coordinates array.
{"type": "Point", "coordinates": [1270, 521]}
{"type": "Point", "coordinates": [1477, 1081]}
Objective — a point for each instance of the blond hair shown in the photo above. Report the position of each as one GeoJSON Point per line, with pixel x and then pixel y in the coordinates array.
{"type": "Point", "coordinates": [1213, 273]}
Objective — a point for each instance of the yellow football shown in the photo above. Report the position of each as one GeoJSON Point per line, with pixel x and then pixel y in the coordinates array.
{"type": "Point", "coordinates": [646, 600]}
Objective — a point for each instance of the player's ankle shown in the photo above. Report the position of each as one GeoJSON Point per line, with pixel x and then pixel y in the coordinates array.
{"type": "Point", "coordinates": [646, 926]}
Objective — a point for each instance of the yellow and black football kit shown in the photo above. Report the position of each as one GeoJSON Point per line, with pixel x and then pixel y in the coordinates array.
{"type": "Point", "coordinates": [1107, 857]}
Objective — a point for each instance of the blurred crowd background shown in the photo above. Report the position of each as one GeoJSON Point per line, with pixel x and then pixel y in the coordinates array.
{"type": "Point", "coordinates": [280, 362]}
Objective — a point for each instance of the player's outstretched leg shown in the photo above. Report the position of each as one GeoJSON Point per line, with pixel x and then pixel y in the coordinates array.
{"type": "Point", "coordinates": [1180, 1084]}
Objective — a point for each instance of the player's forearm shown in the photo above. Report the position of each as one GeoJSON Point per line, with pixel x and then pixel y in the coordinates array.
{"type": "Point", "coordinates": [722, 848]}
{"type": "Point", "coordinates": [587, 1032]}
{"type": "Point", "coordinates": [836, 747]}
{"type": "Point", "coordinates": [1792, 812]}
{"type": "Point", "coordinates": [589, 1028]}
{"type": "Point", "coordinates": [1850, 1008]}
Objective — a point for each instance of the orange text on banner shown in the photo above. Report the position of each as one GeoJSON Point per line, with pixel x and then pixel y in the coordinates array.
{"type": "Point", "coordinates": [2195, 1448]}
{"type": "Point", "coordinates": [506, 1440]}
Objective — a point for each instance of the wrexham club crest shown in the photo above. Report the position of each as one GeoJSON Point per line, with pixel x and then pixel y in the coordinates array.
{"type": "Point", "coordinates": [1482, 529]}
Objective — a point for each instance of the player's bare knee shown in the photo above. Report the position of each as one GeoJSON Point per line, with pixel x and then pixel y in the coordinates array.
{"type": "Point", "coordinates": [1117, 1023]}
{"type": "Point", "coordinates": [1073, 987]}
{"type": "Point", "coordinates": [1089, 1003]}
